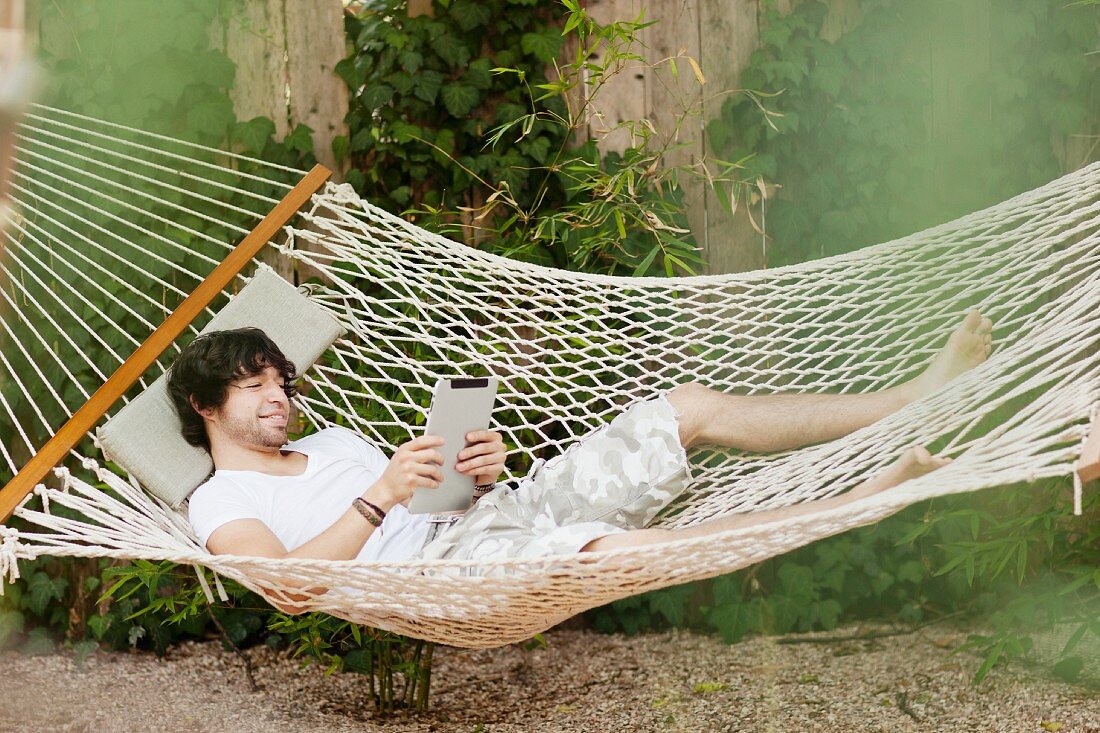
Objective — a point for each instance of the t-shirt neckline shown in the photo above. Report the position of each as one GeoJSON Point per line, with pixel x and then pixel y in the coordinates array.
{"type": "Point", "coordinates": [310, 462]}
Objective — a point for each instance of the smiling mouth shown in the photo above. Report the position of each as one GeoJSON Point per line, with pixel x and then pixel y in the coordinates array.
{"type": "Point", "coordinates": [277, 419]}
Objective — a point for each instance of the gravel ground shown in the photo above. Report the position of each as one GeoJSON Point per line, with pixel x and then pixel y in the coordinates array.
{"type": "Point", "coordinates": [674, 681]}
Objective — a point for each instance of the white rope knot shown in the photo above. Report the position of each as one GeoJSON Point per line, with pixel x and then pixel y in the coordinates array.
{"type": "Point", "coordinates": [290, 246]}
{"type": "Point", "coordinates": [344, 193]}
{"type": "Point", "coordinates": [9, 557]}
{"type": "Point", "coordinates": [90, 464]}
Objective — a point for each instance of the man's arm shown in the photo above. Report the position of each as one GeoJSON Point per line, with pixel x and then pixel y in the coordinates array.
{"type": "Point", "coordinates": [414, 465]}
{"type": "Point", "coordinates": [343, 540]}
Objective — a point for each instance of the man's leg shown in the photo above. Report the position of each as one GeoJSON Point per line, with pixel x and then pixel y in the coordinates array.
{"type": "Point", "coordinates": [767, 423]}
{"type": "Point", "coordinates": [913, 462]}
{"type": "Point", "coordinates": [779, 422]}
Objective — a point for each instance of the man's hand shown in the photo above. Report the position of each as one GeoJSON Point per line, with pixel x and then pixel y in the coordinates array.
{"type": "Point", "coordinates": [483, 457]}
{"type": "Point", "coordinates": [415, 465]}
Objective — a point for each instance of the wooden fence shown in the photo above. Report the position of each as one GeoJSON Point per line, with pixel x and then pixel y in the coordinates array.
{"type": "Point", "coordinates": [952, 46]}
{"type": "Point", "coordinates": [719, 35]}
{"type": "Point", "coordinates": [285, 53]}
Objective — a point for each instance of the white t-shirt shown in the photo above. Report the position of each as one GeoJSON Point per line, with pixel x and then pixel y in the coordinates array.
{"type": "Point", "coordinates": [341, 466]}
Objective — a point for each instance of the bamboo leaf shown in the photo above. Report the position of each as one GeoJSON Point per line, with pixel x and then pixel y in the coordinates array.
{"type": "Point", "coordinates": [695, 68]}
{"type": "Point", "coordinates": [643, 266]}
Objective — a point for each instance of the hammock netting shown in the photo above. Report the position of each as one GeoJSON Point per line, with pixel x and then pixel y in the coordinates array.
{"type": "Point", "coordinates": [117, 226]}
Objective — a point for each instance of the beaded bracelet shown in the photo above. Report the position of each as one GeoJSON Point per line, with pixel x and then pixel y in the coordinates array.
{"type": "Point", "coordinates": [370, 512]}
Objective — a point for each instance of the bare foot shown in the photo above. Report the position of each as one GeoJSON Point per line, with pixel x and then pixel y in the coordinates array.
{"type": "Point", "coordinates": [913, 462]}
{"type": "Point", "coordinates": [967, 347]}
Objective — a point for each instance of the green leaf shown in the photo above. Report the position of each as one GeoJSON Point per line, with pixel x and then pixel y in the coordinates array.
{"type": "Point", "coordinates": [136, 634]}
{"type": "Point", "coordinates": [211, 118]}
{"type": "Point", "coordinates": [301, 139]}
{"type": "Point", "coordinates": [213, 67]}
{"type": "Point", "coordinates": [427, 86]}
{"type": "Point", "coordinates": [348, 70]}
{"type": "Point", "coordinates": [1074, 639]}
{"type": "Point", "coordinates": [478, 74]}
{"type": "Point", "coordinates": [1069, 669]}
{"type": "Point", "coordinates": [254, 134]}
{"type": "Point", "coordinates": [643, 266]}
{"type": "Point", "coordinates": [11, 624]}
{"type": "Point", "coordinates": [340, 147]}
{"type": "Point", "coordinates": [411, 60]}
{"type": "Point", "coordinates": [99, 625]}
{"type": "Point", "coordinates": [375, 96]}
{"type": "Point", "coordinates": [445, 146]}
{"type": "Point", "coordinates": [991, 658]}
{"type": "Point", "coordinates": [829, 613]}
{"type": "Point", "coordinates": [452, 50]}
{"type": "Point", "coordinates": [460, 99]}
{"type": "Point", "coordinates": [38, 642]}
{"type": "Point", "coordinates": [41, 589]}
{"type": "Point", "coordinates": [358, 661]}
{"type": "Point", "coordinates": [403, 132]}
{"type": "Point", "coordinates": [670, 605]}
{"type": "Point", "coordinates": [538, 148]}
{"type": "Point", "coordinates": [544, 46]}
{"type": "Point", "coordinates": [469, 15]}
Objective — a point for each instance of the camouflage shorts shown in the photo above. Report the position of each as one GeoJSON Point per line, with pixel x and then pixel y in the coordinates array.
{"type": "Point", "coordinates": [615, 478]}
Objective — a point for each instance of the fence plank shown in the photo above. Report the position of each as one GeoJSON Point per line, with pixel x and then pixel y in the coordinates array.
{"type": "Point", "coordinates": [623, 96]}
{"type": "Point", "coordinates": [721, 36]}
{"type": "Point", "coordinates": [315, 43]}
{"type": "Point", "coordinates": [675, 96]}
{"type": "Point", "coordinates": [255, 40]}
{"type": "Point", "coordinates": [731, 34]}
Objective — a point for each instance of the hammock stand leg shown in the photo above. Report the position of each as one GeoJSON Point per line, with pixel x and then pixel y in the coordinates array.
{"type": "Point", "coordinates": [1088, 465]}
{"type": "Point", "coordinates": [130, 370]}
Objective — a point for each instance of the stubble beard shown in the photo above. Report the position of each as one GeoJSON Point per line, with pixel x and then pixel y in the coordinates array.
{"type": "Point", "coordinates": [252, 432]}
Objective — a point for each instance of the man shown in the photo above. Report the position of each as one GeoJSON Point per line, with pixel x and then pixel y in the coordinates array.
{"type": "Point", "coordinates": [332, 495]}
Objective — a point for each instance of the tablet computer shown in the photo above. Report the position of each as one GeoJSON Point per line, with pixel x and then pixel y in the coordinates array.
{"type": "Point", "coordinates": [459, 406]}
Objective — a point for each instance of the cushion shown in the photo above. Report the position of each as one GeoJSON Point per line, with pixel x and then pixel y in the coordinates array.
{"type": "Point", "coordinates": [144, 437]}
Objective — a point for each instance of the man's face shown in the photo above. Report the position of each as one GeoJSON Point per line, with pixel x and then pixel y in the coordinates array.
{"type": "Point", "coordinates": [256, 411]}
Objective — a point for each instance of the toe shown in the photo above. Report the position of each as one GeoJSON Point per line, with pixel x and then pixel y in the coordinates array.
{"type": "Point", "coordinates": [973, 319]}
{"type": "Point", "coordinates": [987, 326]}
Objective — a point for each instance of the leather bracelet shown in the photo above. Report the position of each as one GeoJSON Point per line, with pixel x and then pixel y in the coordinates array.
{"type": "Point", "coordinates": [370, 512]}
{"type": "Point", "coordinates": [377, 509]}
{"type": "Point", "coordinates": [485, 489]}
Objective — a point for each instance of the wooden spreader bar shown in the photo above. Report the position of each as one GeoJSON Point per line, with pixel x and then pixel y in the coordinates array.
{"type": "Point", "coordinates": [129, 371]}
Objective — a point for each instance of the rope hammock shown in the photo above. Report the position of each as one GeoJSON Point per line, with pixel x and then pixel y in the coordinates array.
{"type": "Point", "coordinates": [118, 225]}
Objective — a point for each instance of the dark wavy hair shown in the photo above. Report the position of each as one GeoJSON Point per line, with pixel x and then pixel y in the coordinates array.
{"type": "Point", "coordinates": [208, 364]}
